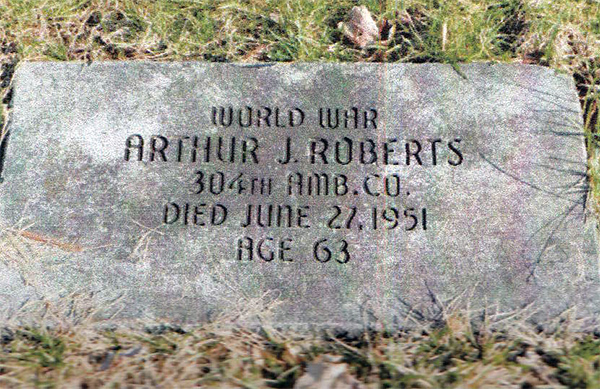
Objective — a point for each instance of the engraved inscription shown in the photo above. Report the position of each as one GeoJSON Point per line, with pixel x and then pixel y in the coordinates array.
{"type": "Point", "coordinates": [350, 202]}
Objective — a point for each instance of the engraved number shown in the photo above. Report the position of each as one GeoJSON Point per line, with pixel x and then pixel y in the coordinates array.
{"type": "Point", "coordinates": [322, 251]}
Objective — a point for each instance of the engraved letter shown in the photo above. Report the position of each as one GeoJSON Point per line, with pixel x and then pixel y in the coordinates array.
{"type": "Point", "coordinates": [433, 150]}
{"type": "Point", "coordinates": [240, 116]}
{"type": "Point", "coordinates": [219, 215]}
{"type": "Point", "coordinates": [245, 244]}
{"type": "Point", "coordinates": [387, 150]}
{"type": "Point", "coordinates": [347, 154]}
{"type": "Point", "coordinates": [284, 245]}
{"type": "Point", "coordinates": [175, 210]}
{"type": "Point", "coordinates": [293, 122]}
{"type": "Point", "coordinates": [351, 116]}
{"type": "Point", "coordinates": [314, 152]}
{"type": "Point", "coordinates": [330, 124]}
{"type": "Point", "coordinates": [160, 149]}
{"type": "Point", "coordinates": [249, 147]}
{"type": "Point", "coordinates": [288, 152]}
{"type": "Point", "coordinates": [295, 180]}
{"type": "Point", "coordinates": [409, 153]}
{"type": "Point", "coordinates": [224, 120]}
{"type": "Point", "coordinates": [139, 145]}
{"type": "Point", "coordinates": [370, 119]}
{"type": "Point", "coordinates": [368, 152]}
{"type": "Point", "coordinates": [266, 117]}
{"type": "Point", "coordinates": [456, 151]}
{"type": "Point", "coordinates": [259, 248]}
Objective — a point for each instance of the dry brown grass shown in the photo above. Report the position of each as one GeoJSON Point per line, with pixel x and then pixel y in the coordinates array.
{"type": "Point", "coordinates": [454, 355]}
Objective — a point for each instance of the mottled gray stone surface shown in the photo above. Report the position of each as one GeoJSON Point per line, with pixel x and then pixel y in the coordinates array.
{"type": "Point", "coordinates": [504, 197]}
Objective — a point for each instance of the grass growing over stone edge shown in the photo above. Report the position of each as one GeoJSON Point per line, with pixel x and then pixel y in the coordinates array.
{"type": "Point", "coordinates": [562, 34]}
{"type": "Point", "coordinates": [454, 352]}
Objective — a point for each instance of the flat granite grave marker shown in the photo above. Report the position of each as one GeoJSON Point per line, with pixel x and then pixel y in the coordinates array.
{"type": "Point", "coordinates": [304, 194]}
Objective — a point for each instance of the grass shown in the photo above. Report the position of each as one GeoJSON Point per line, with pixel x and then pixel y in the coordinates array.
{"type": "Point", "coordinates": [304, 30]}
{"type": "Point", "coordinates": [562, 34]}
{"type": "Point", "coordinates": [454, 355]}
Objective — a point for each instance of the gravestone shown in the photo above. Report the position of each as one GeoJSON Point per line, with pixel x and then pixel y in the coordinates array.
{"type": "Point", "coordinates": [302, 194]}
